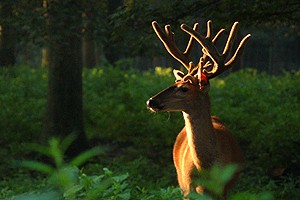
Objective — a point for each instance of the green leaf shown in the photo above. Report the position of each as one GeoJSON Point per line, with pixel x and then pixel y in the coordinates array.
{"type": "Point", "coordinates": [56, 152]}
{"type": "Point", "coordinates": [215, 178]}
{"type": "Point", "coordinates": [250, 196]}
{"type": "Point", "coordinates": [107, 172]}
{"type": "Point", "coordinates": [98, 189]}
{"type": "Point", "coordinates": [196, 196]}
{"type": "Point", "coordinates": [120, 178]}
{"type": "Point", "coordinates": [225, 173]}
{"type": "Point", "coordinates": [37, 166]}
{"type": "Point", "coordinates": [65, 177]}
{"type": "Point", "coordinates": [51, 195]}
{"type": "Point", "coordinates": [83, 157]}
{"type": "Point", "coordinates": [66, 142]}
{"type": "Point", "coordinates": [69, 193]}
{"type": "Point", "coordinates": [39, 148]}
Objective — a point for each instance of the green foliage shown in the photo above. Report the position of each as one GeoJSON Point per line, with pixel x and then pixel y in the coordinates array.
{"type": "Point", "coordinates": [55, 151]}
{"type": "Point", "coordinates": [23, 98]}
{"type": "Point", "coordinates": [251, 196]}
{"type": "Point", "coordinates": [113, 95]}
{"type": "Point", "coordinates": [65, 179]}
{"type": "Point", "coordinates": [215, 179]}
{"type": "Point", "coordinates": [262, 111]}
{"type": "Point", "coordinates": [62, 174]}
{"type": "Point", "coordinates": [70, 183]}
{"type": "Point", "coordinates": [258, 109]}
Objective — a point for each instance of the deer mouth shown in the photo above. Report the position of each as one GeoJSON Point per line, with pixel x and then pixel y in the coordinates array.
{"type": "Point", "coordinates": [155, 109]}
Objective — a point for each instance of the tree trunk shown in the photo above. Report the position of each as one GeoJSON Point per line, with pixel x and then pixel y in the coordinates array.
{"type": "Point", "coordinates": [7, 36]}
{"type": "Point", "coordinates": [89, 52]}
{"type": "Point", "coordinates": [89, 43]}
{"type": "Point", "coordinates": [45, 57]}
{"type": "Point", "coordinates": [64, 105]}
{"type": "Point", "coordinates": [111, 49]}
{"type": "Point", "coordinates": [45, 50]}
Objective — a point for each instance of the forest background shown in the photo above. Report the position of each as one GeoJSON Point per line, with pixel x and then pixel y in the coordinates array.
{"type": "Point", "coordinates": [87, 67]}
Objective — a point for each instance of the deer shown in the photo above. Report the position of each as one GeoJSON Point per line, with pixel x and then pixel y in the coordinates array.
{"type": "Point", "coordinates": [205, 140]}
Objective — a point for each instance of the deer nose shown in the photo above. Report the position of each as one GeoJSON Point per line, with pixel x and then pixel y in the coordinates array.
{"type": "Point", "coordinates": [153, 104]}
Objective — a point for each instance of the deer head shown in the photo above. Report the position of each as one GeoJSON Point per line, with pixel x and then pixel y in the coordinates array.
{"type": "Point", "coordinates": [194, 85]}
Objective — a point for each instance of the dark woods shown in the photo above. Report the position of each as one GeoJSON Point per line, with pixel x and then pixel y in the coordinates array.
{"type": "Point", "coordinates": [89, 76]}
{"type": "Point", "coordinates": [110, 31]}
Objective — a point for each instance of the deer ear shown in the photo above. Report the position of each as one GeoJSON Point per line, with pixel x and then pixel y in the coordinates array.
{"type": "Point", "coordinates": [203, 80]}
{"type": "Point", "coordinates": [178, 74]}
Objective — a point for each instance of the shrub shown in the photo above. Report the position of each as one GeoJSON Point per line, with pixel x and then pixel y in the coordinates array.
{"type": "Point", "coordinates": [261, 110]}
{"type": "Point", "coordinates": [22, 97]}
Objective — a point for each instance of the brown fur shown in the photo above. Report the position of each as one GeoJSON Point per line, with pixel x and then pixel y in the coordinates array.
{"type": "Point", "coordinates": [229, 152]}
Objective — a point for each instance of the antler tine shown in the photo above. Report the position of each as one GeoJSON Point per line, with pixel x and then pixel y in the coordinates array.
{"type": "Point", "coordinates": [210, 50]}
{"type": "Point", "coordinates": [203, 63]}
{"type": "Point", "coordinates": [189, 48]}
{"type": "Point", "coordinates": [168, 40]}
{"type": "Point", "coordinates": [238, 51]}
{"type": "Point", "coordinates": [206, 64]}
{"type": "Point", "coordinates": [230, 39]}
{"type": "Point", "coordinates": [232, 60]}
{"type": "Point", "coordinates": [205, 42]}
{"type": "Point", "coordinates": [217, 35]}
{"type": "Point", "coordinates": [203, 60]}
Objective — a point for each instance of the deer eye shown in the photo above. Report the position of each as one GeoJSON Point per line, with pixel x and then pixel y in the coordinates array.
{"type": "Point", "coordinates": [183, 89]}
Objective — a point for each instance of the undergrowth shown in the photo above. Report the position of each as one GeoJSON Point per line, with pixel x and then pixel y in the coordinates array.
{"type": "Point", "coordinates": [261, 110]}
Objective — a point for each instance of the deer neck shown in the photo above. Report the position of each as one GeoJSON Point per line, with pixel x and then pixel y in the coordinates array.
{"type": "Point", "coordinates": [200, 133]}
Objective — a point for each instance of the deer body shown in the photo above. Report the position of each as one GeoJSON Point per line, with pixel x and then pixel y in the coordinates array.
{"type": "Point", "coordinates": [204, 140]}
{"type": "Point", "coordinates": [226, 151]}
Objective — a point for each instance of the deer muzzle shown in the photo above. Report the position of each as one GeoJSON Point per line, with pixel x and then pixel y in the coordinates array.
{"type": "Point", "coordinates": [154, 105]}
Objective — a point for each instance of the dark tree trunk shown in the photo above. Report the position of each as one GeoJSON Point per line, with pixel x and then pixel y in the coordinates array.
{"type": "Point", "coordinates": [45, 50]}
{"type": "Point", "coordinates": [7, 36]}
{"type": "Point", "coordinates": [111, 49]}
{"type": "Point", "coordinates": [89, 53]}
{"type": "Point", "coordinates": [45, 57]}
{"type": "Point", "coordinates": [64, 106]}
{"type": "Point", "coordinates": [89, 43]}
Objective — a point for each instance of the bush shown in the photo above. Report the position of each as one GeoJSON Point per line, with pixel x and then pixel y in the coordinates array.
{"type": "Point", "coordinates": [66, 181]}
{"type": "Point", "coordinates": [23, 99]}
{"type": "Point", "coordinates": [261, 110]}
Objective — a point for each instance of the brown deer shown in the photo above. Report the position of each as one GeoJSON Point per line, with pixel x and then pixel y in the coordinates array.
{"type": "Point", "coordinates": [204, 140]}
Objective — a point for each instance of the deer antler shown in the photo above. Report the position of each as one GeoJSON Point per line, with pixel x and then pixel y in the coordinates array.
{"type": "Point", "coordinates": [204, 64]}
{"type": "Point", "coordinates": [221, 62]}
{"type": "Point", "coordinates": [168, 40]}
